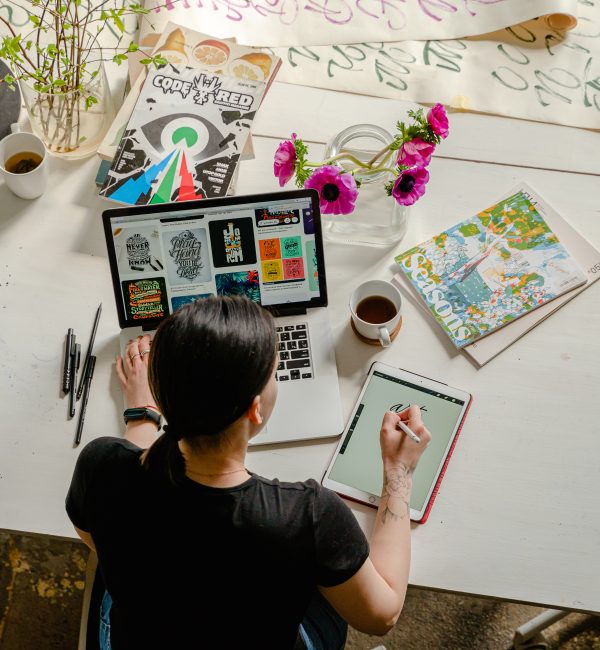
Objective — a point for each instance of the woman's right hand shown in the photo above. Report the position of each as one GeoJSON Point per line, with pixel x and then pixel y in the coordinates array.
{"type": "Point", "coordinates": [396, 446]}
{"type": "Point", "coordinates": [132, 372]}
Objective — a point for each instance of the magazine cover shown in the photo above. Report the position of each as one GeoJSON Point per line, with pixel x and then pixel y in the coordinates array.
{"type": "Point", "coordinates": [184, 47]}
{"type": "Point", "coordinates": [488, 270]}
{"type": "Point", "coordinates": [184, 138]}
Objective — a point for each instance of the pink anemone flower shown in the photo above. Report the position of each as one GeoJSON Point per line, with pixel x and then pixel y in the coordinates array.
{"type": "Point", "coordinates": [337, 190]}
{"type": "Point", "coordinates": [416, 153]}
{"type": "Point", "coordinates": [409, 187]}
{"type": "Point", "coordinates": [285, 161]}
{"type": "Point", "coordinates": [438, 120]}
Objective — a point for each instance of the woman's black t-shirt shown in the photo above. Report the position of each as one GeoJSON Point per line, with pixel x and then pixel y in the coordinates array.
{"type": "Point", "coordinates": [199, 567]}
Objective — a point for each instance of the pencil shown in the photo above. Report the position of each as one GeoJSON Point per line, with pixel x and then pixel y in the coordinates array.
{"type": "Point", "coordinates": [86, 394]}
{"type": "Point", "coordinates": [88, 353]}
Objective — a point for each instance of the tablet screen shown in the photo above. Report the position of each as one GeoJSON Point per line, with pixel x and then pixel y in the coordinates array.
{"type": "Point", "coordinates": [358, 463]}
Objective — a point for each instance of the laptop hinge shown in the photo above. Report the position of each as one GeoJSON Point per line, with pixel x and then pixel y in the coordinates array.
{"type": "Point", "coordinates": [288, 311]}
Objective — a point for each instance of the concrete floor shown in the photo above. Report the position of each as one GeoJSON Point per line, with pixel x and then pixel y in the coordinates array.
{"type": "Point", "coordinates": [42, 582]}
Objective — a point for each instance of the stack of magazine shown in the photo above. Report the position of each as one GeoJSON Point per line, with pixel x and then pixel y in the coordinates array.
{"type": "Point", "coordinates": [491, 278]}
{"type": "Point", "coordinates": [185, 125]}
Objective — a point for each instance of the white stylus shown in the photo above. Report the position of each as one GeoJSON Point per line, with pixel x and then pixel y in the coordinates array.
{"type": "Point", "coordinates": [408, 431]}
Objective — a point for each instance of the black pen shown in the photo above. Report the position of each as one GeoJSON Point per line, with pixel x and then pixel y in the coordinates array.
{"type": "Point", "coordinates": [88, 352]}
{"type": "Point", "coordinates": [74, 368]}
{"type": "Point", "coordinates": [86, 393]}
{"type": "Point", "coordinates": [66, 377]}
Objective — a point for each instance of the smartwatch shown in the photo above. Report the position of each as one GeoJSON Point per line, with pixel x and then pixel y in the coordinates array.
{"type": "Point", "coordinates": [142, 413]}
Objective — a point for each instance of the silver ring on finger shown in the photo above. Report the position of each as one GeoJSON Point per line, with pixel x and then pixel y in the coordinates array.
{"type": "Point", "coordinates": [133, 356]}
{"type": "Point", "coordinates": [143, 352]}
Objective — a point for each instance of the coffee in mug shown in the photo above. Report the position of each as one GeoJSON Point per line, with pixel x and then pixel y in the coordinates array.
{"type": "Point", "coordinates": [23, 162]}
{"type": "Point", "coordinates": [376, 309]}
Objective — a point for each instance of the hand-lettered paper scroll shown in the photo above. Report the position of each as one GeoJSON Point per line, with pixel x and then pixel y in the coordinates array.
{"type": "Point", "coordinates": [529, 71]}
{"type": "Point", "coordinates": [328, 22]}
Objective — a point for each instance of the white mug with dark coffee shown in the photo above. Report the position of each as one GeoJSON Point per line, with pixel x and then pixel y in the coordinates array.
{"type": "Point", "coordinates": [376, 309]}
{"type": "Point", "coordinates": [24, 164]}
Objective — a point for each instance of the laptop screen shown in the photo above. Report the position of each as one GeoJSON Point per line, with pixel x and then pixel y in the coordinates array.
{"type": "Point", "coordinates": [267, 247]}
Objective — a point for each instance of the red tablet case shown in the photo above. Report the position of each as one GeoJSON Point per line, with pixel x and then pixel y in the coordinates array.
{"type": "Point", "coordinates": [441, 476]}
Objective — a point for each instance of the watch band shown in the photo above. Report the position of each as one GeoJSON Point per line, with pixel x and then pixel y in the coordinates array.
{"type": "Point", "coordinates": [142, 413]}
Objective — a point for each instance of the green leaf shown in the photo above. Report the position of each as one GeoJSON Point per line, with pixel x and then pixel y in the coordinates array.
{"type": "Point", "coordinates": [137, 8]}
{"type": "Point", "coordinates": [35, 20]}
{"type": "Point", "coordinates": [146, 61]}
{"type": "Point", "coordinates": [90, 101]}
{"type": "Point", "coordinates": [115, 15]}
{"type": "Point", "coordinates": [119, 58]}
{"type": "Point", "coordinates": [133, 47]}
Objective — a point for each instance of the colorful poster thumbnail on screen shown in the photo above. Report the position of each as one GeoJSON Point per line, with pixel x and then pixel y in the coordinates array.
{"type": "Point", "coordinates": [281, 259]}
{"type": "Point", "coordinates": [179, 301]}
{"type": "Point", "coordinates": [239, 283]}
{"type": "Point", "coordinates": [145, 299]}
{"type": "Point", "coordinates": [232, 242]}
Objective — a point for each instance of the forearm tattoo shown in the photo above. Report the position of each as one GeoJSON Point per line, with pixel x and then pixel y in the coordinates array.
{"type": "Point", "coordinates": [395, 497]}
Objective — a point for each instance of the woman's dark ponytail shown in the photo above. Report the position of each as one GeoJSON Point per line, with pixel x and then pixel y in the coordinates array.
{"type": "Point", "coordinates": [208, 361]}
{"type": "Point", "coordinates": [165, 457]}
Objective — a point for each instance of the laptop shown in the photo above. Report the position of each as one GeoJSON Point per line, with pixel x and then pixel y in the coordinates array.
{"type": "Point", "coordinates": [268, 247]}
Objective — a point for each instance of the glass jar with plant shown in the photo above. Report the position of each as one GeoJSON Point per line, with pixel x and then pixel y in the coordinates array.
{"type": "Point", "coordinates": [59, 65]}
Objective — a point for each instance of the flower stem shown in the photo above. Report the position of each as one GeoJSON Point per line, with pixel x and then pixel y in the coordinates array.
{"type": "Point", "coordinates": [342, 156]}
{"type": "Point", "coordinates": [377, 170]}
{"type": "Point", "coordinates": [378, 155]}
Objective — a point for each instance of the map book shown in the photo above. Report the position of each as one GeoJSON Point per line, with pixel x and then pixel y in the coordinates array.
{"type": "Point", "coordinates": [491, 269]}
{"type": "Point", "coordinates": [184, 138]}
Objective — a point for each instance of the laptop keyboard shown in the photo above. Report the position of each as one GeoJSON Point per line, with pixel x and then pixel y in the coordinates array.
{"type": "Point", "coordinates": [295, 361]}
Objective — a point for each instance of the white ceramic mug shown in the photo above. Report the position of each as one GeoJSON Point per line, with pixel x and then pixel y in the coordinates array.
{"type": "Point", "coordinates": [376, 331]}
{"type": "Point", "coordinates": [28, 185]}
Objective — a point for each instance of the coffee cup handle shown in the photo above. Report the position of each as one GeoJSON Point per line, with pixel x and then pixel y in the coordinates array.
{"type": "Point", "coordinates": [384, 337]}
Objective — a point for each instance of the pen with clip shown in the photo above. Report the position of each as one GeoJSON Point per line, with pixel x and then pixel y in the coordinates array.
{"type": "Point", "coordinates": [67, 375]}
{"type": "Point", "coordinates": [408, 431]}
{"type": "Point", "coordinates": [86, 393]}
{"type": "Point", "coordinates": [88, 352]}
{"type": "Point", "coordinates": [75, 361]}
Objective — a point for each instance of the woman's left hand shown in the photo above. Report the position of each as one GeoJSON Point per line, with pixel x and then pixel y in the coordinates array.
{"type": "Point", "coordinates": [132, 372]}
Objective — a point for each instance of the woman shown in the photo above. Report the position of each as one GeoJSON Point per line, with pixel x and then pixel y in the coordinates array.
{"type": "Point", "coordinates": [196, 551]}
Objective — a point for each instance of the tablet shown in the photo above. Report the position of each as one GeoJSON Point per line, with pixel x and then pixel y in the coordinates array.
{"type": "Point", "coordinates": [356, 470]}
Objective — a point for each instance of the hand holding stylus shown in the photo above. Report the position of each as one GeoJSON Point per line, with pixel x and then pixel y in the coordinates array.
{"type": "Point", "coordinates": [397, 437]}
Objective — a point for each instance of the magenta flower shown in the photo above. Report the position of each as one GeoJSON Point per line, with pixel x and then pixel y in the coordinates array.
{"type": "Point", "coordinates": [416, 153]}
{"type": "Point", "coordinates": [285, 160]}
{"type": "Point", "coordinates": [337, 190]}
{"type": "Point", "coordinates": [409, 187]}
{"type": "Point", "coordinates": [438, 120]}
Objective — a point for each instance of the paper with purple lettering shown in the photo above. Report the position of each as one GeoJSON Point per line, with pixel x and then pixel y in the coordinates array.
{"type": "Point", "coordinates": [531, 71]}
{"type": "Point", "coordinates": [490, 269]}
{"type": "Point", "coordinates": [325, 22]}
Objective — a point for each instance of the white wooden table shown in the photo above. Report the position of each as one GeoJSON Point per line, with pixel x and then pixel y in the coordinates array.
{"type": "Point", "coordinates": [517, 516]}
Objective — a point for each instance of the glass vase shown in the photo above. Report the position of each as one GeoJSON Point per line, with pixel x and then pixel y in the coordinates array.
{"type": "Point", "coordinates": [64, 121]}
{"type": "Point", "coordinates": [377, 219]}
